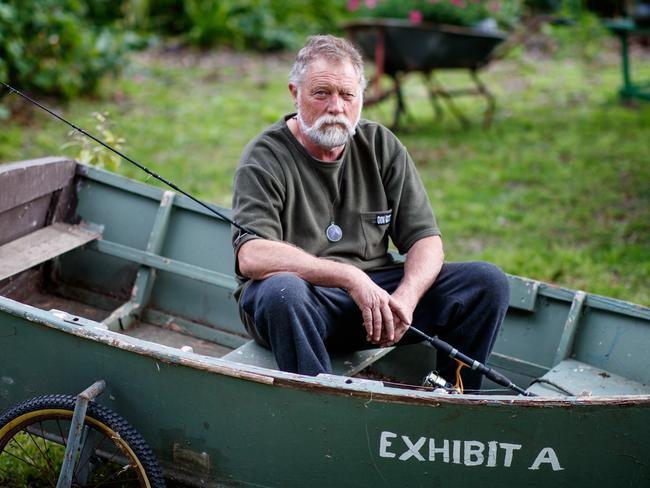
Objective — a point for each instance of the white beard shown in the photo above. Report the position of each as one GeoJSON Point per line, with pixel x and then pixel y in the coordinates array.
{"type": "Point", "coordinates": [329, 131]}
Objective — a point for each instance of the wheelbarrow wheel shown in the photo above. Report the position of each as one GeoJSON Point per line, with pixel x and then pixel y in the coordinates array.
{"type": "Point", "coordinates": [33, 437]}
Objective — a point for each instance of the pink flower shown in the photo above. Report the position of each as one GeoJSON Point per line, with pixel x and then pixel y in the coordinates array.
{"type": "Point", "coordinates": [415, 16]}
{"type": "Point", "coordinates": [353, 5]}
{"type": "Point", "coordinates": [494, 6]}
{"type": "Point", "coordinates": [371, 4]}
{"type": "Point", "coordinates": [458, 3]}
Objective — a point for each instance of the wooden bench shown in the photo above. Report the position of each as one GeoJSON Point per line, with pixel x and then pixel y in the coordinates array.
{"type": "Point", "coordinates": [41, 246]}
{"type": "Point", "coordinates": [35, 204]}
{"type": "Point", "coordinates": [342, 364]}
{"type": "Point", "coordinates": [575, 378]}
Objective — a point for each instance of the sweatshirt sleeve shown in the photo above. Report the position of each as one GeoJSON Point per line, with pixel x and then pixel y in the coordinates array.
{"type": "Point", "coordinates": [413, 218]}
{"type": "Point", "coordinates": [258, 193]}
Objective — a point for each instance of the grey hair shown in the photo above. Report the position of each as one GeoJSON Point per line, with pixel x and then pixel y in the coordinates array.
{"type": "Point", "coordinates": [328, 47]}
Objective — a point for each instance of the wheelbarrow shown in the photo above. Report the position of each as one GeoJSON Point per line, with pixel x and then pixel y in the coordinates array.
{"type": "Point", "coordinates": [398, 47]}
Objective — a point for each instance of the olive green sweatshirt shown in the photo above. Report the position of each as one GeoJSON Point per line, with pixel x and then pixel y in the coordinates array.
{"type": "Point", "coordinates": [373, 193]}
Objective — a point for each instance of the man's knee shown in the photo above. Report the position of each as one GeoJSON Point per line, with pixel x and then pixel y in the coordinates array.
{"type": "Point", "coordinates": [492, 281]}
{"type": "Point", "coordinates": [282, 291]}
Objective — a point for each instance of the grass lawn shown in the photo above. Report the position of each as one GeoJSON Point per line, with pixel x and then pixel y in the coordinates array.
{"type": "Point", "coordinates": [557, 190]}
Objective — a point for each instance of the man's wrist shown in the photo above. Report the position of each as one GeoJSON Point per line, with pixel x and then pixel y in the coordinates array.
{"type": "Point", "coordinates": [407, 295]}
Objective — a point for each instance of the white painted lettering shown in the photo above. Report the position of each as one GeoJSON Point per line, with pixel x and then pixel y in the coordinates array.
{"type": "Point", "coordinates": [509, 448]}
{"type": "Point", "coordinates": [456, 452]}
{"type": "Point", "coordinates": [492, 454]}
{"type": "Point", "coordinates": [384, 444]}
{"type": "Point", "coordinates": [413, 449]}
{"type": "Point", "coordinates": [444, 450]}
{"type": "Point", "coordinates": [547, 456]}
{"type": "Point", "coordinates": [474, 453]}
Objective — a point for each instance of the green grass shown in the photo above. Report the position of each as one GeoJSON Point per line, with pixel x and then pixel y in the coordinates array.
{"type": "Point", "coordinates": [557, 190]}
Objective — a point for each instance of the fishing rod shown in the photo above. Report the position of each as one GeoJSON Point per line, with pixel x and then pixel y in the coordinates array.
{"type": "Point", "coordinates": [475, 365]}
{"type": "Point", "coordinates": [434, 341]}
{"type": "Point", "coordinates": [127, 158]}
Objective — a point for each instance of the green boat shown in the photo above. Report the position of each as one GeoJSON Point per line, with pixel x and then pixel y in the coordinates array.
{"type": "Point", "coordinates": [102, 277]}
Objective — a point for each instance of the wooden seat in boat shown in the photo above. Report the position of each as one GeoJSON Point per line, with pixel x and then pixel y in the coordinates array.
{"type": "Point", "coordinates": [575, 378]}
{"type": "Point", "coordinates": [42, 245]}
{"type": "Point", "coordinates": [35, 216]}
{"type": "Point", "coordinates": [342, 364]}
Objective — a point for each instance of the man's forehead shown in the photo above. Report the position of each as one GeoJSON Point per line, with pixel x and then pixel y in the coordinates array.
{"type": "Point", "coordinates": [323, 69]}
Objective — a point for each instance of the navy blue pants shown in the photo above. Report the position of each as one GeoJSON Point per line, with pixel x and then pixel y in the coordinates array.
{"type": "Point", "coordinates": [300, 321]}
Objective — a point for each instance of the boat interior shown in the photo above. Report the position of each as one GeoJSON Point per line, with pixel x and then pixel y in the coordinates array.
{"type": "Point", "coordinates": [101, 250]}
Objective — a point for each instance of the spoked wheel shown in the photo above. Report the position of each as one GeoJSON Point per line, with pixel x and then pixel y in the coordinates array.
{"type": "Point", "coordinates": [33, 437]}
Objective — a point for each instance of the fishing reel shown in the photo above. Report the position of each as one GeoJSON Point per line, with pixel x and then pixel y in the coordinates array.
{"type": "Point", "coordinates": [439, 384]}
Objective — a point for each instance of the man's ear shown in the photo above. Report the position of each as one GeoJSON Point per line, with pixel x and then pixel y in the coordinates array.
{"type": "Point", "coordinates": [293, 89]}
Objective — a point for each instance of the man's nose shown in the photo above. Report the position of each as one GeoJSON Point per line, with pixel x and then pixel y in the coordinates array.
{"type": "Point", "coordinates": [336, 104]}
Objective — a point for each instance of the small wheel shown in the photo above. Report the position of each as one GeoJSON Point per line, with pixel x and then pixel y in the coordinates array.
{"type": "Point", "coordinates": [34, 433]}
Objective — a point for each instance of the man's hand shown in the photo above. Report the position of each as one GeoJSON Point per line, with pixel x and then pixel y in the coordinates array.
{"type": "Point", "coordinates": [406, 305]}
{"type": "Point", "coordinates": [380, 312]}
{"type": "Point", "coordinates": [423, 263]}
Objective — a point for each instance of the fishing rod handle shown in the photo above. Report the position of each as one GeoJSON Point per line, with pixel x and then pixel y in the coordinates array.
{"type": "Point", "coordinates": [452, 352]}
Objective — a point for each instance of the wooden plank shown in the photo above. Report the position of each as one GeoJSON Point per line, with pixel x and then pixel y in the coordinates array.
{"type": "Point", "coordinates": [342, 364]}
{"type": "Point", "coordinates": [24, 219]}
{"type": "Point", "coordinates": [253, 354]}
{"type": "Point", "coordinates": [25, 181]}
{"type": "Point", "coordinates": [187, 327]}
{"type": "Point", "coordinates": [523, 293]}
{"type": "Point", "coordinates": [123, 317]}
{"type": "Point", "coordinates": [41, 246]}
{"type": "Point", "coordinates": [575, 378]}
{"type": "Point", "coordinates": [171, 338]}
{"type": "Point", "coordinates": [567, 338]}
{"type": "Point", "coordinates": [198, 273]}
{"type": "Point", "coordinates": [351, 363]}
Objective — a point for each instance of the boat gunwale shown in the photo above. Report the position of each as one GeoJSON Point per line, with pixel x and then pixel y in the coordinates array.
{"type": "Point", "coordinates": [370, 390]}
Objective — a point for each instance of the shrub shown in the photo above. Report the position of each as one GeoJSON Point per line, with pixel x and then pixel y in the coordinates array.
{"type": "Point", "coordinates": [259, 24]}
{"type": "Point", "coordinates": [256, 24]}
{"type": "Point", "coordinates": [49, 46]}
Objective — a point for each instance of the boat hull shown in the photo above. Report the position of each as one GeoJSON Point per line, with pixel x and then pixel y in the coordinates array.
{"type": "Point", "coordinates": [231, 427]}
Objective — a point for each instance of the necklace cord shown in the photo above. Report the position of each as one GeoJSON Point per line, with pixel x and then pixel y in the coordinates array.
{"type": "Point", "coordinates": [333, 231]}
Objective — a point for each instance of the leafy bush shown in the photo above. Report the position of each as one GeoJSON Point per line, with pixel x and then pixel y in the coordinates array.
{"type": "Point", "coordinates": [584, 37]}
{"type": "Point", "coordinates": [51, 47]}
{"type": "Point", "coordinates": [256, 24]}
{"type": "Point", "coordinates": [455, 12]}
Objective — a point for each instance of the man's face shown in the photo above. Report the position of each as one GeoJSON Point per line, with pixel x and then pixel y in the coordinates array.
{"type": "Point", "coordinates": [329, 102]}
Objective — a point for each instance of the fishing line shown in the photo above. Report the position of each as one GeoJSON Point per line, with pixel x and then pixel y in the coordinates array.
{"type": "Point", "coordinates": [434, 341]}
{"type": "Point", "coordinates": [135, 163]}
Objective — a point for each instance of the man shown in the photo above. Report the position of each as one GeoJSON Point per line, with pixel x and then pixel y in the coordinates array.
{"type": "Point", "coordinates": [323, 191]}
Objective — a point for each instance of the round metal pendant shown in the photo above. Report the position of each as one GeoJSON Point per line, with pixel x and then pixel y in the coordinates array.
{"type": "Point", "coordinates": [334, 233]}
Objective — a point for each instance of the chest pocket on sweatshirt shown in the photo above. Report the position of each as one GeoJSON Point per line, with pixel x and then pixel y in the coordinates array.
{"type": "Point", "coordinates": [375, 227]}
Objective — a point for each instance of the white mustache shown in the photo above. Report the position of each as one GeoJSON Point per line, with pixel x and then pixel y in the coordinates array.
{"type": "Point", "coordinates": [333, 120]}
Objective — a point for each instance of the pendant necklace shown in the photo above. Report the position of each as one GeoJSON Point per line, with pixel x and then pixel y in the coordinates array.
{"type": "Point", "coordinates": [333, 232]}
